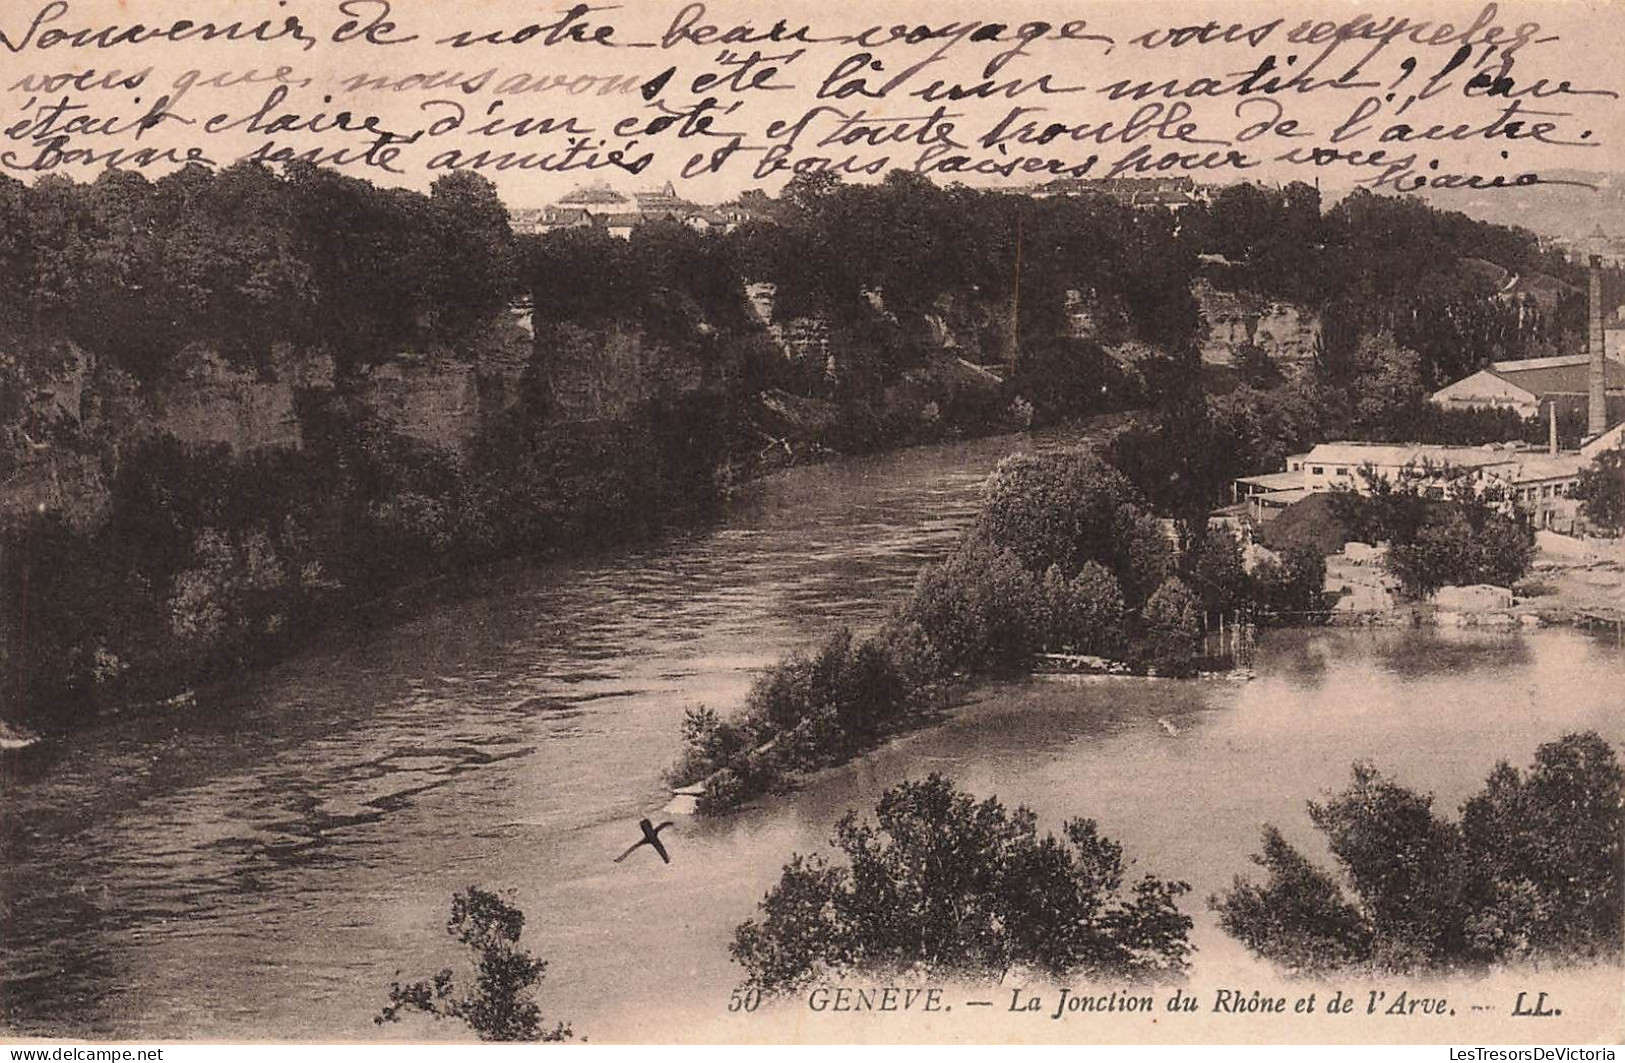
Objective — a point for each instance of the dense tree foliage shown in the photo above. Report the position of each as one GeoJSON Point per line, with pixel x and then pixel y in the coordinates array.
{"type": "Point", "coordinates": [807, 712]}
{"type": "Point", "coordinates": [1409, 299]}
{"type": "Point", "coordinates": [1064, 558]}
{"type": "Point", "coordinates": [1443, 527]}
{"type": "Point", "coordinates": [499, 1006]}
{"type": "Point", "coordinates": [1601, 490]}
{"type": "Point", "coordinates": [651, 382]}
{"type": "Point", "coordinates": [1386, 264]}
{"type": "Point", "coordinates": [941, 883]}
{"type": "Point", "coordinates": [1531, 870]}
{"type": "Point", "coordinates": [245, 260]}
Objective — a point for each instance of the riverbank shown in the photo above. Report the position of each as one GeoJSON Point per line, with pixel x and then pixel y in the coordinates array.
{"type": "Point", "coordinates": [537, 703]}
{"type": "Point", "coordinates": [248, 598]}
{"type": "Point", "coordinates": [318, 819]}
{"type": "Point", "coordinates": [1064, 563]}
{"type": "Point", "coordinates": [1571, 582]}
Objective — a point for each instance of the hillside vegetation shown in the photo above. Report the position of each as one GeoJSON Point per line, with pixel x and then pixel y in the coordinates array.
{"type": "Point", "coordinates": [653, 380]}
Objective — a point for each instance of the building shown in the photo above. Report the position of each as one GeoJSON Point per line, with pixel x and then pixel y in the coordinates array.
{"type": "Point", "coordinates": [1530, 385]}
{"type": "Point", "coordinates": [599, 205]}
{"type": "Point", "coordinates": [1613, 331]}
{"type": "Point", "coordinates": [1141, 193]}
{"type": "Point", "coordinates": [1267, 494]}
{"type": "Point", "coordinates": [1350, 465]}
{"type": "Point", "coordinates": [1539, 485]}
{"type": "Point", "coordinates": [1612, 439]}
{"type": "Point", "coordinates": [1535, 482]}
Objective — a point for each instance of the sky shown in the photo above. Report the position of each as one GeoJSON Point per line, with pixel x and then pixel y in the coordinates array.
{"type": "Point", "coordinates": [838, 84]}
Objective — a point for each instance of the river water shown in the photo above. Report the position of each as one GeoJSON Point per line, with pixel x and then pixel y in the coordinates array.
{"type": "Point", "coordinates": [261, 865]}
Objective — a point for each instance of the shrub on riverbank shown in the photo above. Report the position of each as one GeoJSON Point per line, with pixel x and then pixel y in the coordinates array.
{"type": "Point", "coordinates": [1601, 490]}
{"type": "Point", "coordinates": [1063, 558]}
{"type": "Point", "coordinates": [1069, 508]}
{"type": "Point", "coordinates": [500, 1005]}
{"type": "Point", "coordinates": [207, 563]}
{"type": "Point", "coordinates": [1290, 586]}
{"type": "Point", "coordinates": [808, 712]}
{"type": "Point", "coordinates": [1531, 870]}
{"type": "Point", "coordinates": [980, 609]}
{"type": "Point", "coordinates": [1443, 530]}
{"type": "Point", "coordinates": [943, 884]}
{"type": "Point", "coordinates": [1172, 633]}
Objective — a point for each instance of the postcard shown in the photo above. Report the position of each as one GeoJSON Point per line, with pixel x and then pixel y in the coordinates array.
{"type": "Point", "coordinates": [703, 521]}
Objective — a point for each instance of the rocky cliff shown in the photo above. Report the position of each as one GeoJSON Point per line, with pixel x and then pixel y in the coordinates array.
{"type": "Point", "coordinates": [71, 418]}
{"type": "Point", "coordinates": [1287, 332]}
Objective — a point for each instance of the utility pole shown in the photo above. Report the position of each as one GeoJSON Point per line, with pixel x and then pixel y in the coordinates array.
{"type": "Point", "coordinates": [1015, 308]}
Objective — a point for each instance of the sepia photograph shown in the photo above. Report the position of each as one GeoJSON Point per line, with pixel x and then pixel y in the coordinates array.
{"type": "Point", "coordinates": [782, 523]}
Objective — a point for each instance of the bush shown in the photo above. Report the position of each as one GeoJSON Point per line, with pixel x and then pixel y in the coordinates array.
{"type": "Point", "coordinates": [943, 883]}
{"type": "Point", "coordinates": [806, 712]}
{"type": "Point", "coordinates": [709, 742]}
{"type": "Point", "coordinates": [1461, 535]}
{"type": "Point", "coordinates": [1215, 571]}
{"type": "Point", "coordinates": [1533, 870]}
{"type": "Point", "coordinates": [1172, 637]}
{"type": "Point", "coordinates": [916, 660]}
{"type": "Point", "coordinates": [500, 1007]}
{"type": "Point", "coordinates": [1294, 585]}
{"type": "Point", "coordinates": [1544, 854]}
{"type": "Point", "coordinates": [1300, 918]}
{"type": "Point", "coordinates": [1069, 508]}
{"type": "Point", "coordinates": [980, 609]}
{"type": "Point", "coordinates": [1452, 550]}
{"type": "Point", "coordinates": [1601, 490]}
{"type": "Point", "coordinates": [1083, 614]}
{"type": "Point", "coordinates": [1402, 861]}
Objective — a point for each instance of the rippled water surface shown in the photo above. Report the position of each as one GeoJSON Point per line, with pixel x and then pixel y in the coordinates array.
{"type": "Point", "coordinates": [262, 864]}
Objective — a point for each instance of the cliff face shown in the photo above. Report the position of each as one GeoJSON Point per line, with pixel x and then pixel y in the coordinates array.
{"type": "Point", "coordinates": [219, 403]}
{"type": "Point", "coordinates": [606, 374]}
{"type": "Point", "coordinates": [1287, 332]}
{"type": "Point", "coordinates": [72, 419]}
{"type": "Point", "coordinates": [801, 339]}
{"type": "Point", "coordinates": [50, 401]}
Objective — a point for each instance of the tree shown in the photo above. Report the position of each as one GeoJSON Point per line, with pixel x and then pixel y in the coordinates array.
{"type": "Point", "coordinates": [942, 883]}
{"type": "Point", "coordinates": [1544, 856]}
{"type": "Point", "coordinates": [979, 609]}
{"type": "Point", "coordinates": [1601, 489]}
{"type": "Point", "coordinates": [1387, 388]}
{"type": "Point", "coordinates": [1215, 570]}
{"type": "Point", "coordinates": [1299, 918]}
{"type": "Point", "coordinates": [1256, 368]}
{"type": "Point", "coordinates": [1403, 862]}
{"type": "Point", "coordinates": [475, 272]}
{"type": "Point", "coordinates": [1532, 870]}
{"type": "Point", "coordinates": [1444, 528]}
{"type": "Point", "coordinates": [1173, 628]}
{"type": "Point", "coordinates": [500, 1006]}
{"type": "Point", "coordinates": [1295, 584]}
{"type": "Point", "coordinates": [1070, 508]}
{"type": "Point", "coordinates": [1083, 614]}
{"type": "Point", "coordinates": [1460, 544]}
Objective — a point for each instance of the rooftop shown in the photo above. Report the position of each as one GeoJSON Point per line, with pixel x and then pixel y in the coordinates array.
{"type": "Point", "coordinates": [597, 194]}
{"type": "Point", "coordinates": [1274, 481]}
{"type": "Point", "coordinates": [1566, 375]}
{"type": "Point", "coordinates": [1533, 467]}
{"type": "Point", "coordinates": [1397, 455]}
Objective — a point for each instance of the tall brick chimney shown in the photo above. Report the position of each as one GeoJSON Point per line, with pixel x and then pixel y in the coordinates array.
{"type": "Point", "coordinates": [1597, 393]}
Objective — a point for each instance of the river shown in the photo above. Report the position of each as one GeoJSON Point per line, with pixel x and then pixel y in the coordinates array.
{"type": "Point", "coordinates": [262, 864]}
